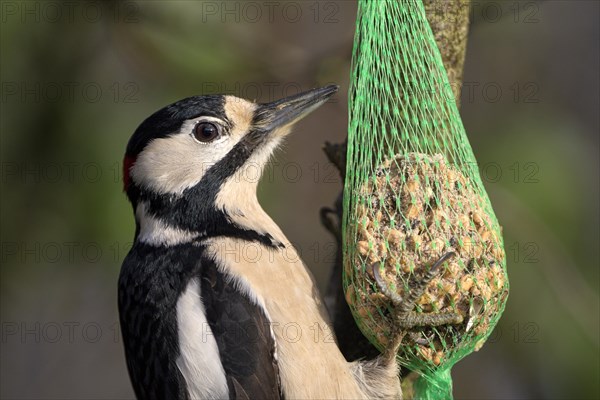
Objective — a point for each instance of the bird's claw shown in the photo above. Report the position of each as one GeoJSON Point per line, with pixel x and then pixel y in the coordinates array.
{"type": "Point", "coordinates": [405, 317]}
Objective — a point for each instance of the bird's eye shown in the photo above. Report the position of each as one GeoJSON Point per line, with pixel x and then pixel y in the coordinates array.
{"type": "Point", "coordinates": [206, 132]}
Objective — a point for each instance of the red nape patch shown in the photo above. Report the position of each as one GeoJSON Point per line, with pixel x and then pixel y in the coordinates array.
{"type": "Point", "coordinates": [128, 162]}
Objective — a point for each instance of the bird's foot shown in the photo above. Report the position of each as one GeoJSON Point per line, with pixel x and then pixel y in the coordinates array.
{"type": "Point", "coordinates": [405, 318]}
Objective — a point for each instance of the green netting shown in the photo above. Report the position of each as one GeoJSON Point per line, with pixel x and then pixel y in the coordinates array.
{"type": "Point", "coordinates": [424, 256]}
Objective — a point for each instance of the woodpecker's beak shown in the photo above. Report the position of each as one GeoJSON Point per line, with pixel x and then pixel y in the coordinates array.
{"type": "Point", "coordinates": [287, 111]}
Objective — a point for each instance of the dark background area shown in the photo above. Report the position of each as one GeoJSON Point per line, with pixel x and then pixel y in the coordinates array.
{"type": "Point", "coordinates": [77, 79]}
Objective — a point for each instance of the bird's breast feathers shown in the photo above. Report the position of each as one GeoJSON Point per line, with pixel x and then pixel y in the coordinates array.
{"type": "Point", "coordinates": [276, 279]}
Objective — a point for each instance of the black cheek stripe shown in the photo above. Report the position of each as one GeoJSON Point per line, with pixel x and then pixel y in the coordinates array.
{"type": "Point", "coordinates": [195, 209]}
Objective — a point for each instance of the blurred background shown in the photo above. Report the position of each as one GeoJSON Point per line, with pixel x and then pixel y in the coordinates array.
{"type": "Point", "coordinates": [77, 79]}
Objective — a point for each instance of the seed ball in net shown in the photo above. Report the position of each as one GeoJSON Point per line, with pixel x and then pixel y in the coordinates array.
{"type": "Point", "coordinates": [417, 208]}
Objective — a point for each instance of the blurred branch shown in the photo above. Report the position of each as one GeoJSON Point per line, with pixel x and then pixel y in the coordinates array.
{"type": "Point", "coordinates": [449, 21]}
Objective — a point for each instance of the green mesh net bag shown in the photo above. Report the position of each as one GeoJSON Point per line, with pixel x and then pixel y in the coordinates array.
{"type": "Point", "coordinates": [424, 256]}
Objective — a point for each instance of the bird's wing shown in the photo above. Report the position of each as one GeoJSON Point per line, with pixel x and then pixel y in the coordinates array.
{"type": "Point", "coordinates": [243, 335]}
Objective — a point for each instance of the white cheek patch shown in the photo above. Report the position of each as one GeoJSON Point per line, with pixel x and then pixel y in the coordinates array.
{"type": "Point", "coordinates": [172, 164]}
{"type": "Point", "coordinates": [177, 162]}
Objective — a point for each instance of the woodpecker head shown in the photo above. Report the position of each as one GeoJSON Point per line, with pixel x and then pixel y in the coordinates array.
{"type": "Point", "coordinates": [191, 164]}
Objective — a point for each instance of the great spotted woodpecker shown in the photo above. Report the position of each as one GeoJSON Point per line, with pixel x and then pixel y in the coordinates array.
{"type": "Point", "coordinates": [214, 301]}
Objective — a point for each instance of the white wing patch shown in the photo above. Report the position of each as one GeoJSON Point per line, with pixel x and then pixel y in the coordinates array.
{"type": "Point", "coordinates": [199, 360]}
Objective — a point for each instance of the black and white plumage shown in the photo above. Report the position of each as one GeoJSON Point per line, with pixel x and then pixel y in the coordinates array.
{"type": "Point", "coordinates": [214, 301]}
